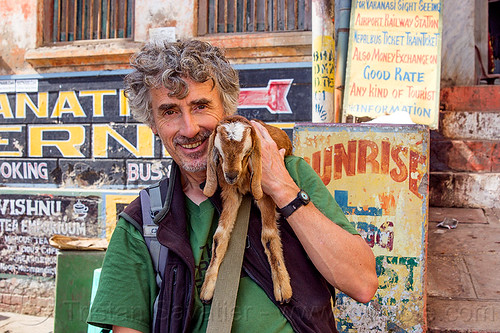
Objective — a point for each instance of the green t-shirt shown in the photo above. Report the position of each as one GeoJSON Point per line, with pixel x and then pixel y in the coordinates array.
{"type": "Point", "coordinates": [127, 286]}
{"type": "Point", "coordinates": [254, 311]}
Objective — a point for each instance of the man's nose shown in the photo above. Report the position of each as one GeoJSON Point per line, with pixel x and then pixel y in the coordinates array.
{"type": "Point", "coordinates": [190, 127]}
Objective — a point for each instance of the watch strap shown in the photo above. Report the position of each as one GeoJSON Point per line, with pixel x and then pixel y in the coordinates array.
{"type": "Point", "coordinates": [302, 199]}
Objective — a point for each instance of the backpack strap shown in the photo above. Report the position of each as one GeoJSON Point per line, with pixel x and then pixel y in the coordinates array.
{"type": "Point", "coordinates": [150, 202]}
{"type": "Point", "coordinates": [155, 204]}
{"type": "Point", "coordinates": [221, 315]}
{"type": "Point", "coordinates": [151, 205]}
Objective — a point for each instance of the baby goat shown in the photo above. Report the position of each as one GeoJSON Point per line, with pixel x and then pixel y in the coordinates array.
{"type": "Point", "coordinates": [234, 159]}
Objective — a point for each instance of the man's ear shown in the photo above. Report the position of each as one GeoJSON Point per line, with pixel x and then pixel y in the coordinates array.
{"type": "Point", "coordinates": [153, 128]}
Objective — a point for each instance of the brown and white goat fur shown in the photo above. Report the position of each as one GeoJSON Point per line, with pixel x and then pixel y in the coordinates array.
{"type": "Point", "coordinates": [234, 162]}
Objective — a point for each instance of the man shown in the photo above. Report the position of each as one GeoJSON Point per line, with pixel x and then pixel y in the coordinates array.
{"type": "Point", "coordinates": [181, 90]}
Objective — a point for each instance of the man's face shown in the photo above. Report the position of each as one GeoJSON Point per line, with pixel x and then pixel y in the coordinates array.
{"type": "Point", "coordinates": [184, 125]}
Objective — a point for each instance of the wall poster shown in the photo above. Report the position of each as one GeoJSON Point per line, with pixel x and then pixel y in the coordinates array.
{"type": "Point", "coordinates": [378, 176]}
{"type": "Point", "coordinates": [394, 59]}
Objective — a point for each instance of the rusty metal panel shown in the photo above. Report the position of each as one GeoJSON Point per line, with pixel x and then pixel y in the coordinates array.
{"type": "Point", "coordinates": [378, 175]}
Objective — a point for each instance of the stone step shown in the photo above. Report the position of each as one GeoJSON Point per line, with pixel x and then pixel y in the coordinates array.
{"type": "Point", "coordinates": [465, 150]}
{"type": "Point", "coordinates": [470, 113]}
{"type": "Point", "coordinates": [454, 155]}
{"type": "Point", "coordinates": [464, 173]}
{"type": "Point", "coordinates": [470, 125]}
{"type": "Point", "coordinates": [453, 189]}
{"type": "Point", "coordinates": [471, 98]}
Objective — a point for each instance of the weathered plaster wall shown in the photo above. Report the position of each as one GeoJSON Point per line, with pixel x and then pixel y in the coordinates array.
{"type": "Point", "coordinates": [164, 13]}
{"type": "Point", "coordinates": [457, 51]}
{"type": "Point", "coordinates": [18, 36]}
{"type": "Point", "coordinates": [17, 33]}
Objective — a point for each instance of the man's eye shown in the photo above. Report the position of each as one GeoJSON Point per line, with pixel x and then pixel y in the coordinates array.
{"type": "Point", "coordinates": [201, 107]}
{"type": "Point", "coordinates": [168, 112]}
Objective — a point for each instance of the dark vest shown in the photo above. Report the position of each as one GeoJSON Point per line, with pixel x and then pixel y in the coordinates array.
{"type": "Point", "coordinates": [309, 310]}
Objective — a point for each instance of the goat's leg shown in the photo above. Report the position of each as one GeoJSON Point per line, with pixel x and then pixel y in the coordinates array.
{"type": "Point", "coordinates": [231, 203]}
{"type": "Point", "coordinates": [272, 246]}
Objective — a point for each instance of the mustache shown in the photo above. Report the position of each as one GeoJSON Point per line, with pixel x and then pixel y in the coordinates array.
{"type": "Point", "coordinates": [201, 136]}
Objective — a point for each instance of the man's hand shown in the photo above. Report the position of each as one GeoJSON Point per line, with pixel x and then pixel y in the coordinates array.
{"type": "Point", "coordinates": [276, 181]}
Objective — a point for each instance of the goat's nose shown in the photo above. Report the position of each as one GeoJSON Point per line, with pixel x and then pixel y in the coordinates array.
{"type": "Point", "coordinates": [231, 177]}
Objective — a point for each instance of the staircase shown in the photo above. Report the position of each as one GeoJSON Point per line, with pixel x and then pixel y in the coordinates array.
{"type": "Point", "coordinates": [465, 151]}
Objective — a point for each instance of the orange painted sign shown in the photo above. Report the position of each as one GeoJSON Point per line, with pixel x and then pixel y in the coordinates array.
{"type": "Point", "coordinates": [378, 176]}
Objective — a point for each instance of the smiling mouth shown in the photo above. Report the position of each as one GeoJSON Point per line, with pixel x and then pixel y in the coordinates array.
{"type": "Point", "coordinates": [192, 145]}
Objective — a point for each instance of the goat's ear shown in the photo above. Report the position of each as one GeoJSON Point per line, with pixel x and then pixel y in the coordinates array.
{"type": "Point", "coordinates": [212, 161]}
{"type": "Point", "coordinates": [256, 166]}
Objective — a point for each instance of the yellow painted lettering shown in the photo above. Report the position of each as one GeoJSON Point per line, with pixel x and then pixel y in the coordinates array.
{"type": "Point", "coordinates": [23, 100]}
{"type": "Point", "coordinates": [124, 105]}
{"type": "Point", "coordinates": [67, 102]}
{"type": "Point", "coordinates": [5, 142]}
{"type": "Point", "coordinates": [5, 109]}
{"type": "Point", "coordinates": [144, 147]}
{"type": "Point", "coordinates": [67, 148]}
{"type": "Point", "coordinates": [98, 97]}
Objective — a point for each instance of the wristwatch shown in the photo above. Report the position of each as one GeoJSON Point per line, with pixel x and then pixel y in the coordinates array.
{"type": "Point", "coordinates": [302, 199]}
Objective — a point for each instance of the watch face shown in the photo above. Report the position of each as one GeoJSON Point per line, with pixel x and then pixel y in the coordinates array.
{"type": "Point", "coordinates": [304, 196]}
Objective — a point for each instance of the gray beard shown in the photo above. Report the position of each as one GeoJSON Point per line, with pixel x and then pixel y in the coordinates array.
{"type": "Point", "coordinates": [194, 167]}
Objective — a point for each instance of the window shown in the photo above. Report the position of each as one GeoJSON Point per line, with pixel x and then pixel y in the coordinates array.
{"type": "Point", "coordinates": [72, 20]}
{"type": "Point", "coordinates": [230, 16]}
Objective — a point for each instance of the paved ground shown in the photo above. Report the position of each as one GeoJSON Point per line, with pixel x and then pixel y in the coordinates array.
{"type": "Point", "coordinates": [16, 323]}
{"type": "Point", "coordinates": [464, 271]}
{"type": "Point", "coordinates": [463, 275]}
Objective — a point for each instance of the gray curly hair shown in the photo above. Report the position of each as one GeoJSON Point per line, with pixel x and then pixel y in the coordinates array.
{"type": "Point", "coordinates": [169, 64]}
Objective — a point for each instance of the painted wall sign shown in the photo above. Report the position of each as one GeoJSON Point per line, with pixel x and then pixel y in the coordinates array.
{"type": "Point", "coordinates": [394, 59]}
{"type": "Point", "coordinates": [273, 97]}
{"type": "Point", "coordinates": [378, 176]}
{"type": "Point", "coordinates": [323, 75]}
{"type": "Point", "coordinates": [287, 91]}
{"type": "Point", "coordinates": [29, 217]}
{"type": "Point", "coordinates": [78, 131]}
{"type": "Point", "coordinates": [27, 222]}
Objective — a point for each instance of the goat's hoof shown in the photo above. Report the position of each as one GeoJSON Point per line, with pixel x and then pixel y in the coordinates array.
{"type": "Point", "coordinates": [285, 301]}
{"type": "Point", "coordinates": [283, 295]}
{"type": "Point", "coordinates": [206, 294]}
{"type": "Point", "coordinates": [206, 301]}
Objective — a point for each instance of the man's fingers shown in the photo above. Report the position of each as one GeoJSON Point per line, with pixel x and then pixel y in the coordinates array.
{"type": "Point", "coordinates": [261, 129]}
